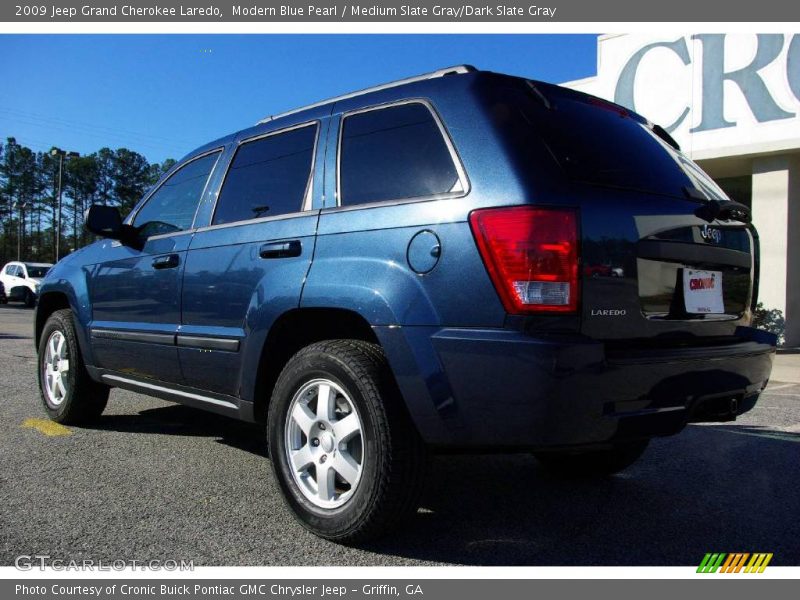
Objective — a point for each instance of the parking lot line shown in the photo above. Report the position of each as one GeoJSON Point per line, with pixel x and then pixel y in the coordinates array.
{"type": "Point", "coordinates": [770, 434]}
{"type": "Point", "coordinates": [780, 386]}
{"type": "Point", "coordinates": [49, 428]}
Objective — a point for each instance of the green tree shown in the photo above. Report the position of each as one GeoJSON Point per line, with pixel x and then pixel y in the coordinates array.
{"type": "Point", "coordinates": [19, 189]}
{"type": "Point", "coordinates": [29, 195]}
{"type": "Point", "coordinates": [81, 184]}
{"type": "Point", "coordinates": [132, 178]}
{"type": "Point", "coordinates": [106, 180]}
{"type": "Point", "coordinates": [26, 184]}
{"type": "Point", "coordinates": [5, 203]}
{"type": "Point", "coordinates": [48, 174]}
{"type": "Point", "coordinates": [157, 170]}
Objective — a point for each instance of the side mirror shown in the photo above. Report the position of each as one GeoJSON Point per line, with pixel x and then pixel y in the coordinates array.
{"type": "Point", "coordinates": [105, 221]}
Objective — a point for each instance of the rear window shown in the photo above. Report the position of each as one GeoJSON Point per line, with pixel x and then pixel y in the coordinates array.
{"type": "Point", "coordinates": [394, 153]}
{"type": "Point", "coordinates": [598, 142]}
{"type": "Point", "coordinates": [36, 271]}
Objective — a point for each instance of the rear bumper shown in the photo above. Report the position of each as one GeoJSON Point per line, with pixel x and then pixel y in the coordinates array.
{"type": "Point", "coordinates": [506, 389]}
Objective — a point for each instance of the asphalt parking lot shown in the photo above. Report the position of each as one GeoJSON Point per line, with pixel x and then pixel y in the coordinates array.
{"type": "Point", "coordinates": [155, 480]}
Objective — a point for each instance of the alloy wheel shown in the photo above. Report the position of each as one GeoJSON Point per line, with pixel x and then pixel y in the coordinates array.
{"type": "Point", "coordinates": [324, 443]}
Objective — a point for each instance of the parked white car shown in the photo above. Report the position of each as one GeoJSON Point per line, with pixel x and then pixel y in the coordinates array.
{"type": "Point", "coordinates": [21, 280]}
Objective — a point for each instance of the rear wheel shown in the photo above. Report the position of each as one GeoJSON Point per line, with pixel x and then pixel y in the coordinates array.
{"type": "Point", "coordinates": [592, 463]}
{"type": "Point", "coordinates": [68, 393]}
{"type": "Point", "coordinates": [345, 454]}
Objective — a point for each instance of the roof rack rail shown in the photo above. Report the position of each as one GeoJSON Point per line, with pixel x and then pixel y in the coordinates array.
{"type": "Point", "coordinates": [456, 70]}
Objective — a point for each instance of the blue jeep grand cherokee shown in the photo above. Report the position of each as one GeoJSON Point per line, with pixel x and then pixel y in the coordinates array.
{"type": "Point", "coordinates": [458, 260]}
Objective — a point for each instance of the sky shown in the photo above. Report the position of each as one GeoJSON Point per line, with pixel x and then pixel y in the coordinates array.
{"type": "Point", "coordinates": [163, 95]}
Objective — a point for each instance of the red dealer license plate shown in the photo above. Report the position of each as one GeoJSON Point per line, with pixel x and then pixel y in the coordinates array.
{"type": "Point", "coordinates": [702, 292]}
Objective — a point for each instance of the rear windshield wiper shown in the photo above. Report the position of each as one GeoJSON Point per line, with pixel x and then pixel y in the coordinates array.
{"type": "Point", "coordinates": [724, 210]}
{"type": "Point", "coordinates": [539, 95]}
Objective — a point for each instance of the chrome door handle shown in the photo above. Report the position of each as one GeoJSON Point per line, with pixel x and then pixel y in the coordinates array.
{"type": "Point", "coordinates": [281, 249]}
{"type": "Point", "coordinates": [169, 261]}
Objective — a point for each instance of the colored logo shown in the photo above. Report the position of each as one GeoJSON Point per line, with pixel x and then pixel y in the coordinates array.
{"type": "Point", "coordinates": [737, 562]}
{"type": "Point", "coordinates": [702, 283]}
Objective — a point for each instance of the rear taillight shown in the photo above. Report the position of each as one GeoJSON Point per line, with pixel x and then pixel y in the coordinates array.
{"type": "Point", "coordinates": [531, 255]}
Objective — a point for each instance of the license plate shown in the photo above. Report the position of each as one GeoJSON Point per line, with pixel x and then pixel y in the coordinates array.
{"type": "Point", "coordinates": [702, 292]}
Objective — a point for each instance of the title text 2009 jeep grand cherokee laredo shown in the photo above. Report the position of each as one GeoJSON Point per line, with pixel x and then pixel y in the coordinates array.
{"type": "Point", "coordinates": [458, 260]}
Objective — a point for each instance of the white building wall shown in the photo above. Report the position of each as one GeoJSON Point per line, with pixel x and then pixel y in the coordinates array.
{"type": "Point", "coordinates": [771, 211]}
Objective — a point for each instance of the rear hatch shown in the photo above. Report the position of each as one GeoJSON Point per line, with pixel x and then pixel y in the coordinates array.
{"type": "Point", "coordinates": [665, 256]}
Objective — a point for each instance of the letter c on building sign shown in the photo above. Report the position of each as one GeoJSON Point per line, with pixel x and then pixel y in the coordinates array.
{"type": "Point", "coordinates": [793, 66]}
{"type": "Point", "coordinates": [624, 92]}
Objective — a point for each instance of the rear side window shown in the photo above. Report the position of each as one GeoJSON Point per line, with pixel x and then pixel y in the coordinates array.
{"type": "Point", "coordinates": [269, 176]}
{"type": "Point", "coordinates": [394, 153]}
{"type": "Point", "coordinates": [172, 206]}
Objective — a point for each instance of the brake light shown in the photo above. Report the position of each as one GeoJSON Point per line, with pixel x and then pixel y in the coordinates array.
{"type": "Point", "coordinates": [531, 255]}
{"type": "Point", "coordinates": [610, 106]}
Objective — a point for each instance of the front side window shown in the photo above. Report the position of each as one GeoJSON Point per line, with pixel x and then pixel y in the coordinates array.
{"type": "Point", "coordinates": [172, 206]}
{"type": "Point", "coordinates": [394, 153]}
{"type": "Point", "coordinates": [268, 176]}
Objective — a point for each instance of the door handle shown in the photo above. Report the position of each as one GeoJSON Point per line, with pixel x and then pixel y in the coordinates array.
{"type": "Point", "coordinates": [281, 249]}
{"type": "Point", "coordinates": [169, 261]}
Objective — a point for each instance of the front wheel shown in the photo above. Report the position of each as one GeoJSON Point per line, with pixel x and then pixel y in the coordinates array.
{"type": "Point", "coordinates": [68, 393]}
{"type": "Point", "coordinates": [347, 458]}
{"type": "Point", "coordinates": [592, 463]}
{"type": "Point", "coordinates": [30, 299]}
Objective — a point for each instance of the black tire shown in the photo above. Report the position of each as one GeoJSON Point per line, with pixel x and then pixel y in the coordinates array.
{"type": "Point", "coordinates": [393, 460]}
{"type": "Point", "coordinates": [30, 299]}
{"type": "Point", "coordinates": [85, 399]}
{"type": "Point", "coordinates": [592, 463]}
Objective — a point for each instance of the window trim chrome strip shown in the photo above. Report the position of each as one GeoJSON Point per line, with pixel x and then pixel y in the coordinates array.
{"type": "Point", "coordinates": [294, 215]}
{"type": "Point", "coordinates": [454, 70]}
